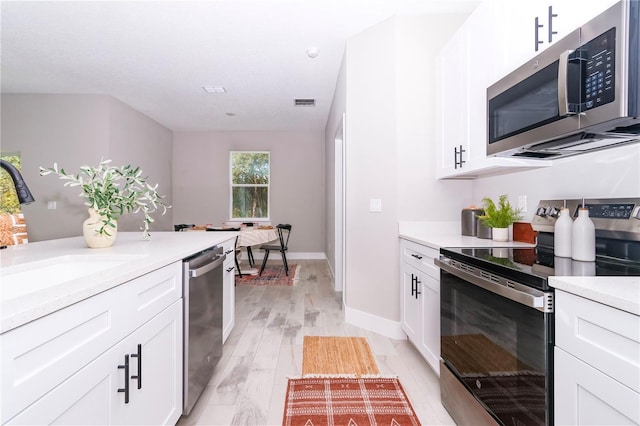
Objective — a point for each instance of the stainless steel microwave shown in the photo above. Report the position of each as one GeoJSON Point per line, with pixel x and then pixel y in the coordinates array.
{"type": "Point", "coordinates": [581, 94]}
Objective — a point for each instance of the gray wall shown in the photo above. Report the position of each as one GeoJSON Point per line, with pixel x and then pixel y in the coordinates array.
{"type": "Point", "coordinates": [201, 180]}
{"type": "Point", "coordinates": [74, 130]}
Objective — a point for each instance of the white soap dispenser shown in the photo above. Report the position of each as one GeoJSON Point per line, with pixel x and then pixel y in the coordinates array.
{"type": "Point", "coordinates": [562, 231]}
{"type": "Point", "coordinates": [583, 237]}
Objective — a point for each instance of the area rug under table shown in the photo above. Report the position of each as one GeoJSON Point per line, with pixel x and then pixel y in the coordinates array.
{"type": "Point", "coordinates": [271, 276]}
{"type": "Point", "coordinates": [347, 401]}
{"type": "Point", "coordinates": [337, 355]}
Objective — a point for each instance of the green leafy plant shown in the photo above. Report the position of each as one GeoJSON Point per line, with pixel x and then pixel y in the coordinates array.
{"type": "Point", "coordinates": [113, 191]}
{"type": "Point", "coordinates": [500, 216]}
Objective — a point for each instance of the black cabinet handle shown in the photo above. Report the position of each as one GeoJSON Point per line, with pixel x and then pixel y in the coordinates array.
{"type": "Point", "coordinates": [126, 379]}
{"type": "Point", "coordinates": [550, 24]}
{"type": "Point", "coordinates": [418, 292]}
{"type": "Point", "coordinates": [139, 357]}
{"type": "Point", "coordinates": [231, 268]}
{"type": "Point", "coordinates": [228, 251]}
{"type": "Point", "coordinates": [413, 280]}
{"type": "Point", "coordinates": [537, 40]}
{"type": "Point", "coordinates": [458, 153]}
{"type": "Point", "coordinates": [417, 256]}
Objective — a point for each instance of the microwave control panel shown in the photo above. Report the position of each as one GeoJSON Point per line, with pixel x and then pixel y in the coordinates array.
{"type": "Point", "coordinates": [598, 70]}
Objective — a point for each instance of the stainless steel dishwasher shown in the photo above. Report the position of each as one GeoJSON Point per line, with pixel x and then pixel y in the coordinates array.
{"type": "Point", "coordinates": [202, 295]}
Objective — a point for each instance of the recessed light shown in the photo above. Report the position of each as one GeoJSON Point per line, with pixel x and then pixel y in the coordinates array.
{"type": "Point", "coordinates": [214, 89]}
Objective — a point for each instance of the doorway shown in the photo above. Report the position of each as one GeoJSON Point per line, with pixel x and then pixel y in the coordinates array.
{"type": "Point", "coordinates": [339, 211]}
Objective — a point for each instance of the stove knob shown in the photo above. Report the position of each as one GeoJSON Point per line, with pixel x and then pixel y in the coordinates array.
{"type": "Point", "coordinates": [541, 211]}
{"type": "Point", "coordinates": [553, 212]}
{"type": "Point", "coordinates": [637, 213]}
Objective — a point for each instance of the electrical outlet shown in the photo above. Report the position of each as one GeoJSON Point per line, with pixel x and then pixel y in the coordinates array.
{"type": "Point", "coordinates": [375, 205]}
{"type": "Point", "coordinates": [522, 203]}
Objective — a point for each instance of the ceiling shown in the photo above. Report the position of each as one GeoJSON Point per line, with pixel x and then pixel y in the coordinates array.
{"type": "Point", "coordinates": [156, 56]}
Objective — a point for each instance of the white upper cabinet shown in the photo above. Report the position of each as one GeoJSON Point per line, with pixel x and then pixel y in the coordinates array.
{"type": "Point", "coordinates": [516, 25]}
{"type": "Point", "coordinates": [467, 65]}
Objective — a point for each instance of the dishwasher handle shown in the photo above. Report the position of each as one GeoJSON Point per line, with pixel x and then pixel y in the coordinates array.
{"type": "Point", "coordinates": [217, 261]}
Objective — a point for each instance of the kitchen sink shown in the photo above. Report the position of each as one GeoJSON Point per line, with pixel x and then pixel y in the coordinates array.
{"type": "Point", "coordinates": [29, 277]}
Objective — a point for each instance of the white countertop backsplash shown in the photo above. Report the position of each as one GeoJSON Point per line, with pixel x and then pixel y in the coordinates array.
{"type": "Point", "coordinates": [41, 297]}
{"type": "Point", "coordinates": [619, 292]}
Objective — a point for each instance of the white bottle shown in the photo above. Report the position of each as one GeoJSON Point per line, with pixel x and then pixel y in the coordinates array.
{"type": "Point", "coordinates": [562, 234]}
{"type": "Point", "coordinates": [583, 237]}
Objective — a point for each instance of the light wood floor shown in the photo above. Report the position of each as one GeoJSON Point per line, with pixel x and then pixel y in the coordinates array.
{"type": "Point", "coordinates": [265, 348]}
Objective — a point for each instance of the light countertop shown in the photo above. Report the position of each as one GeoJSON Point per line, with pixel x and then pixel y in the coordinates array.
{"type": "Point", "coordinates": [447, 234]}
{"type": "Point", "coordinates": [71, 272]}
{"type": "Point", "coordinates": [619, 292]}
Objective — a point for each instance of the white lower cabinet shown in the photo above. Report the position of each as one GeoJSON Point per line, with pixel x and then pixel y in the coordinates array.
{"type": "Point", "coordinates": [69, 366]}
{"type": "Point", "coordinates": [229, 288]}
{"type": "Point", "coordinates": [420, 300]}
{"type": "Point", "coordinates": [112, 389]}
{"type": "Point", "coordinates": [597, 363]}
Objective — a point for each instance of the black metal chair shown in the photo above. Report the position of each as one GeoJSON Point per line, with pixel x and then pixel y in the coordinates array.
{"type": "Point", "coordinates": [284, 231]}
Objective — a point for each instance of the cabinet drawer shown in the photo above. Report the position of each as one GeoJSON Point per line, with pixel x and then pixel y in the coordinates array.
{"type": "Point", "coordinates": [420, 257]}
{"type": "Point", "coordinates": [604, 337]}
{"type": "Point", "coordinates": [150, 294]}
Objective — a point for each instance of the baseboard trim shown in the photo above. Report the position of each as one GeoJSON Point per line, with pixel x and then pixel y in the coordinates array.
{"type": "Point", "coordinates": [383, 326]}
{"type": "Point", "coordinates": [258, 254]}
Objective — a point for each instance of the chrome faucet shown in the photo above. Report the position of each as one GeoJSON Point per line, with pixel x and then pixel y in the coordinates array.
{"type": "Point", "coordinates": [24, 195]}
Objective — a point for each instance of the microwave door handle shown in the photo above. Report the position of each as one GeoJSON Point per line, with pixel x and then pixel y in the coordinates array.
{"type": "Point", "coordinates": [563, 96]}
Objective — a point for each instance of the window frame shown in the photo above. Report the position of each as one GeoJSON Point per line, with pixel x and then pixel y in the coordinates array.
{"type": "Point", "coordinates": [232, 185]}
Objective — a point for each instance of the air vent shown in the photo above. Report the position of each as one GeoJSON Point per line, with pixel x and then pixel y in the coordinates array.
{"type": "Point", "coordinates": [304, 102]}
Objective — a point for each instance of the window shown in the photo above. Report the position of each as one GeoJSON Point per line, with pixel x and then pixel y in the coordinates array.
{"type": "Point", "coordinates": [8, 199]}
{"type": "Point", "coordinates": [250, 185]}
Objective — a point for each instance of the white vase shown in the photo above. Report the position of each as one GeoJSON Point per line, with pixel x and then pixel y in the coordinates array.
{"type": "Point", "coordinates": [90, 229]}
{"type": "Point", "coordinates": [500, 234]}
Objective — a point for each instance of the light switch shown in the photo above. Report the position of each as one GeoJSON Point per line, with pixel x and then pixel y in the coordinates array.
{"type": "Point", "coordinates": [375, 205]}
{"type": "Point", "coordinates": [51, 205]}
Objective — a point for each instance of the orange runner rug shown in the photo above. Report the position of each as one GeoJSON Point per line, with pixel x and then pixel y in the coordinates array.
{"type": "Point", "coordinates": [330, 355]}
{"type": "Point", "coordinates": [347, 401]}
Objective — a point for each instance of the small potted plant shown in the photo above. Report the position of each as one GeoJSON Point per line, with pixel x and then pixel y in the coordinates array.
{"type": "Point", "coordinates": [499, 217]}
{"type": "Point", "coordinates": [111, 192]}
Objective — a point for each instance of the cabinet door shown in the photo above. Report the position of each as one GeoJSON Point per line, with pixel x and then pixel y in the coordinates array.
{"type": "Point", "coordinates": [92, 397]}
{"type": "Point", "coordinates": [430, 342]}
{"type": "Point", "coordinates": [586, 396]}
{"type": "Point", "coordinates": [155, 389]}
{"type": "Point", "coordinates": [411, 309]}
{"type": "Point", "coordinates": [452, 130]}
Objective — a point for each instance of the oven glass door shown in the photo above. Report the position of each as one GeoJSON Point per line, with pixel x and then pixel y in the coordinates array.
{"type": "Point", "coordinates": [499, 349]}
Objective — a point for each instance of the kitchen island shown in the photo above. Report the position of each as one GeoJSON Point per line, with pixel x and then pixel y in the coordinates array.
{"type": "Point", "coordinates": [94, 336]}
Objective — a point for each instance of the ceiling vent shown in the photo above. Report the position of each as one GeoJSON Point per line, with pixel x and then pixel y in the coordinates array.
{"type": "Point", "coordinates": [304, 102]}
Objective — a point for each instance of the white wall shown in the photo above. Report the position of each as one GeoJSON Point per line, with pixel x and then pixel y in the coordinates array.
{"type": "Point", "coordinates": [74, 130]}
{"type": "Point", "coordinates": [390, 144]}
{"type": "Point", "coordinates": [603, 174]}
{"type": "Point", "coordinates": [201, 180]}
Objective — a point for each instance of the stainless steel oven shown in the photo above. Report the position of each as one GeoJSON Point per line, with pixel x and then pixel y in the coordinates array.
{"type": "Point", "coordinates": [497, 313]}
{"type": "Point", "coordinates": [496, 340]}
{"type": "Point", "coordinates": [579, 95]}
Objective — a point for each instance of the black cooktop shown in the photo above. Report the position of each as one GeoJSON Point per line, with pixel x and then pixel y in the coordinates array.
{"type": "Point", "coordinates": [532, 266]}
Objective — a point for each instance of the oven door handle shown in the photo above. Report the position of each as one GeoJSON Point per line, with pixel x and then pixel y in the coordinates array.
{"type": "Point", "coordinates": [531, 298]}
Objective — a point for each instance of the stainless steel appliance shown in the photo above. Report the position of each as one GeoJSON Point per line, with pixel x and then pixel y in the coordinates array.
{"type": "Point", "coordinates": [579, 95]}
{"type": "Point", "coordinates": [497, 320]}
{"type": "Point", "coordinates": [202, 295]}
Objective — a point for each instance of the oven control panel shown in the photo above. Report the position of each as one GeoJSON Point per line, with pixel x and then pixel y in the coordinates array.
{"type": "Point", "coordinates": [612, 217]}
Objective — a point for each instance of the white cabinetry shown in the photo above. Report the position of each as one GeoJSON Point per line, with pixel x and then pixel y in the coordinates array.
{"type": "Point", "coordinates": [467, 65]}
{"type": "Point", "coordinates": [420, 299]}
{"type": "Point", "coordinates": [597, 371]}
{"type": "Point", "coordinates": [229, 288]}
{"type": "Point", "coordinates": [64, 367]}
